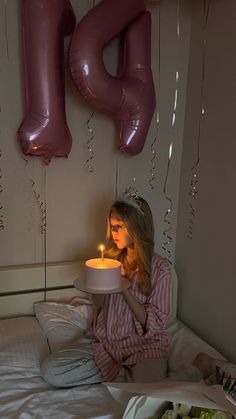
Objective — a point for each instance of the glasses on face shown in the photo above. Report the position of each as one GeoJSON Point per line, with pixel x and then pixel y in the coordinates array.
{"type": "Point", "coordinates": [118, 227]}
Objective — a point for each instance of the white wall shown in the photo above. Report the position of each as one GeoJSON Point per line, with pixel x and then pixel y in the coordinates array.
{"type": "Point", "coordinates": [206, 264]}
{"type": "Point", "coordinates": [77, 201]}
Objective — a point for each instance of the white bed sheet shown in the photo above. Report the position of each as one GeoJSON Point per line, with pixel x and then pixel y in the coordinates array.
{"type": "Point", "coordinates": [25, 395]}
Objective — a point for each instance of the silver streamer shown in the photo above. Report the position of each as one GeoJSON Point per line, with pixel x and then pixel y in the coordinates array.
{"type": "Point", "coordinates": [153, 145]}
{"type": "Point", "coordinates": [194, 178]}
{"type": "Point", "coordinates": [43, 227]}
{"type": "Point", "coordinates": [89, 145]}
{"type": "Point", "coordinates": [44, 219]}
{"type": "Point", "coordinates": [31, 221]}
{"type": "Point", "coordinates": [153, 164]}
{"type": "Point", "coordinates": [166, 246]}
{"type": "Point", "coordinates": [41, 204]}
{"type": "Point", "coordinates": [6, 30]}
{"type": "Point", "coordinates": [2, 226]}
{"type": "Point", "coordinates": [42, 207]}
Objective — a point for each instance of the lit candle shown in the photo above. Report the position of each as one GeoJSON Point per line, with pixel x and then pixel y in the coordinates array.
{"type": "Point", "coordinates": [101, 247]}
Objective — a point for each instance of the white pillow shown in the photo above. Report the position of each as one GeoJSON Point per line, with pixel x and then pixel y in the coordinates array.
{"type": "Point", "coordinates": [186, 345]}
{"type": "Point", "coordinates": [63, 323]}
{"type": "Point", "coordinates": [22, 343]}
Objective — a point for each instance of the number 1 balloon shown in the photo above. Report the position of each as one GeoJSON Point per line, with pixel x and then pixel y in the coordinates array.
{"type": "Point", "coordinates": [44, 131]}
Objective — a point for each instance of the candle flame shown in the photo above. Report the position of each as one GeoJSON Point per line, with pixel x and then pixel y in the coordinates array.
{"type": "Point", "coordinates": [101, 248]}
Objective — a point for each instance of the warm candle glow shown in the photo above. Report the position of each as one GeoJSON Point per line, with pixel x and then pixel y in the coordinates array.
{"type": "Point", "coordinates": [104, 263]}
{"type": "Point", "coordinates": [102, 247]}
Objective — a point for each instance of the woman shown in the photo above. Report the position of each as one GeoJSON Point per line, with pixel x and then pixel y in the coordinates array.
{"type": "Point", "coordinates": [129, 341]}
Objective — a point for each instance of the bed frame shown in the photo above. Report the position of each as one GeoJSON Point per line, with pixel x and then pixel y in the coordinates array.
{"type": "Point", "coordinates": [22, 286]}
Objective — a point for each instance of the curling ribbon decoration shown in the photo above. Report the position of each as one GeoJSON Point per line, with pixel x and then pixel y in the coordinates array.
{"type": "Point", "coordinates": [153, 161]}
{"type": "Point", "coordinates": [44, 132]}
{"type": "Point", "coordinates": [32, 199]}
{"type": "Point", "coordinates": [2, 226]}
{"type": "Point", "coordinates": [42, 207]}
{"type": "Point", "coordinates": [89, 145]}
{"type": "Point", "coordinates": [153, 144]}
{"type": "Point", "coordinates": [166, 246]}
{"type": "Point", "coordinates": [194, 178]}
{"type": "Point", "coordinates": [130, 97]}
{"type": "Point", "coordinates": [37, 196]}
{"type": "Point", "coordinates": [43, 226]}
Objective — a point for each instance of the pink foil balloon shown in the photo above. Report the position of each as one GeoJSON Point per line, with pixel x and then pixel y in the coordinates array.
{"type": "Point", "coordinates": [44, 131]}
{"type": "Point", "coordinates": [131, 96]}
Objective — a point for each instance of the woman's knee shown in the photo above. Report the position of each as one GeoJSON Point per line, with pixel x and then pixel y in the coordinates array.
{"type": "Point", "coordinates": [149, 370]}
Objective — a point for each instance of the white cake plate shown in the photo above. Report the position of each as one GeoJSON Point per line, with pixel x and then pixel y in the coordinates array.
{"type": "Point", "coordinates": [80, 284]}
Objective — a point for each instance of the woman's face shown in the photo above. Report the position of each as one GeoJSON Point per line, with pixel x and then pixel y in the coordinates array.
{"type": "Point", "coordinates": [119, 232]}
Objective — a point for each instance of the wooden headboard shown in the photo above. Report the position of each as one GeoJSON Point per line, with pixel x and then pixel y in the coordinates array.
{"type": "Point", "coordinates": [22, 286]}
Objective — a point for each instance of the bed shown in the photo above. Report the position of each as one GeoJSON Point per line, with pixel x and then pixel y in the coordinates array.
{"type": "Point", "coordinates": [41, 311]}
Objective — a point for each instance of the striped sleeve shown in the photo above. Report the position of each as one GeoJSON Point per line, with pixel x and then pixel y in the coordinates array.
{"type": "Point", "coordinates": [159, 303]}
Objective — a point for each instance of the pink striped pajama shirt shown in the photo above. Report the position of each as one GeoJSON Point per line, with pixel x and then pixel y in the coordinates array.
{"type": "Point", "coordinates": [119, 338]}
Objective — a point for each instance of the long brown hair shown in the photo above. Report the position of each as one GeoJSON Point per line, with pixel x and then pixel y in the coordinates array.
{"type": "Point", "coordinates": [138, 220]}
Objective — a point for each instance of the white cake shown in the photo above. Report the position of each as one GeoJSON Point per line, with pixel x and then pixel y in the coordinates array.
{"type": "Point", "coordinates": [103, 274]}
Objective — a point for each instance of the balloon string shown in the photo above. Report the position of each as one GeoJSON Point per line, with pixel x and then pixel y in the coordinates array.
{"type": "Point", "coordinates": [89, 144]}
{"type": "Point", "coordinates": [117, 174]}
{"type": "Point", "coordinates": [6, 31]}
{"type": "Point", "coordinates": [2, 226]}
{"type": "Point", "coordinates": [166, 246]}
{"type": "Point", "coordinates": [194, 178]}
{"type": "Point", "coordinates": [153, 153]}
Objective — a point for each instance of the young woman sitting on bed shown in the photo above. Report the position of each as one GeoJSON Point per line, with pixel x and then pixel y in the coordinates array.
{"type": "Point", "coordinates": [128, 341]}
